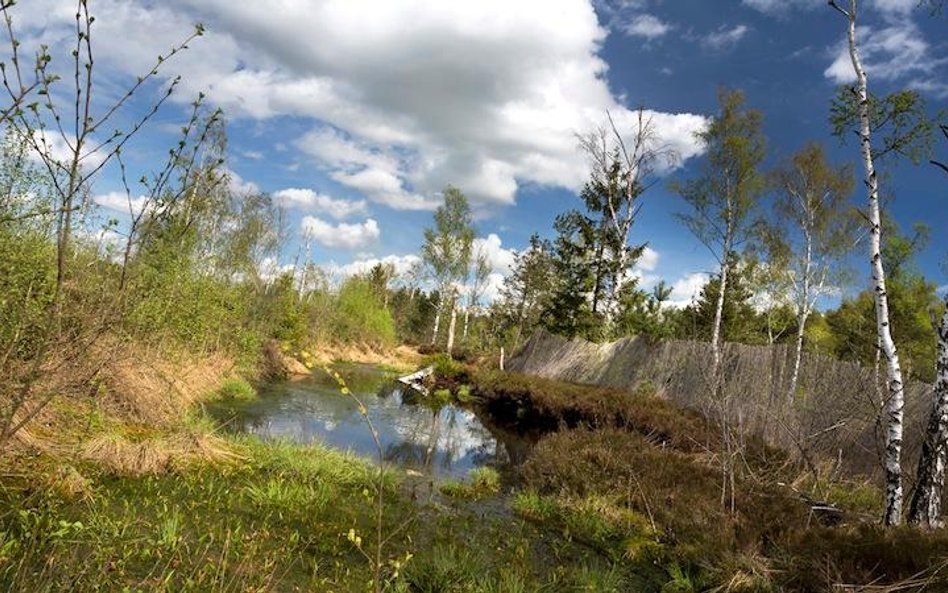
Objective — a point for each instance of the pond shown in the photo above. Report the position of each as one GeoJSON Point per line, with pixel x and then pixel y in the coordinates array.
{"type": "Point", "coordinates": [442, 443]}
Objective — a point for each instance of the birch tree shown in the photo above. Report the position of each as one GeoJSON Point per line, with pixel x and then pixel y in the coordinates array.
{"type": "Point", "coordinates": [620, 172]}
{"type": "Point", "coordinates": [908, 133]}
{"type": "Point", "coordinates": [447, 253]}
{"type": "Point", "coordinates": [724, 195]}
{"type": "Point", "coordinates": [813, 229]}
{"type": "Point", "coordinates": [925, 507]}
{"type": "Point", "coordinates": [480, 273]}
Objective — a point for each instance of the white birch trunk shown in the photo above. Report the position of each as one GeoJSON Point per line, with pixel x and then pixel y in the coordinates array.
{"type": "Point", "coordinates": [895, 405]}
{"type": "Point", "coordinates": [437, 323]}
{"type": "Point", "coordinates": [718, 317]}
{"type": "Point", "coordinates": [925, 508]}
{"type": "Point", "coordinates": [467, 315]}
{"type": "Point", "coordinates": [804, 313]}
{"type": "Point", "coordinates": [452, 325]}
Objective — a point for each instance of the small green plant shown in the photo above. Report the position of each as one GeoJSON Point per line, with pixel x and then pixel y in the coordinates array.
{"type": "Point", "coordinates": [445, 367]}
{"type": "Point", "coordinates": [236, 389]}
{"type": "Point", "coordinates": [439, 398]}
{"type": "Point", "coordinates": [376, 559]}
{"type": "Point", "coordinates": [482, 481]}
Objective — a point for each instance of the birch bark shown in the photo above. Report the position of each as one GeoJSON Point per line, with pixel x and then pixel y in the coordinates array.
{"type": "Point", "coordinates": [925, 507]}
{"type": "Point", "coordinates": [896, 400]}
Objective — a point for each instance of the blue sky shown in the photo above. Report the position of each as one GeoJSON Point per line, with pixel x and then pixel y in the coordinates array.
{"type": "Point", "coordinates": [355, 113]}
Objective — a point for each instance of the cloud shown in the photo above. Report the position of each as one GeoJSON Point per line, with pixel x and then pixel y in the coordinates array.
{"type": "Point", "coordinates": [401, 263]}
{"type": "Point", "coordinates": [896, 6]}
{"type": "Point", "coordinates": [59, 149]}
{"type": "Point", "coordinates": [648, 260]}
{"type": "Point", "coordinates": [725, 38]}
{"type": "Point", "coordinates": [895, 51]}
{"type": "Point", "coordinates": [501, 260]}
{"type": "Point", "coordinates": [685, 289]}
{"type": "Point", "coordinates": [308, 200]}
{"type": "Point", "coordinates": [483, 95]}
{"type": "Point", "coordinates": [120, 202]}
{"type": "Point", "coordinates": [237, 185]}
{"type": "Point", "coordinates": [780, 7]}
{"type": "Point", "coordinates": [343, 235]}
{"type": "Point", "coordinates": [648, 26]}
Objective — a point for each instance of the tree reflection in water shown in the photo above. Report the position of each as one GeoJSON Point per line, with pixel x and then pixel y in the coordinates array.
{"type": "Point", "coordinates": [444, 442]}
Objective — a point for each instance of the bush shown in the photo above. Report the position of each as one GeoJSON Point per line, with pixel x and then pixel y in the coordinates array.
{"type": "Point", "coordinates": [445, 367]}
{"type": "Point", "coordinates": [359, 317]}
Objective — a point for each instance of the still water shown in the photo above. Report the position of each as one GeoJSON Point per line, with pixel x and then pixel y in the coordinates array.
{"type": "Point", "coordinates": [443, 443]}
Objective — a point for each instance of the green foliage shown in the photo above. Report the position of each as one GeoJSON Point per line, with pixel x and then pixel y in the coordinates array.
{"type": "Point", "coordinates": [912, 300]}
{"type": "Point", "coordinates": [236, 389]}
{"type": "Point", "coordinates": [739, 320]}
{"type": "Point", "coordinates": [527, 291]}
{"type": "Point", "coordinates": [577, 262]}
{"type": "Point", "coordinates": [899, 121]}
{"type": "Point", "coordinates": [726, 192]}
{"type": "Point", "coordinates": [445, 367]}
{"type": "Point", "coordinates": [360, 317]}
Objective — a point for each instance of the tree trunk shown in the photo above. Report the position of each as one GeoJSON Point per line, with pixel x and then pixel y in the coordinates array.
{"type": "Point", "coordinates": [925, 508]}
{"type": "Point", "coordinates": [437, 323]}
{"type": "Point", "coordinates": [467, 315]}
{"type": "Point", "coordinates": [716, 333]}
{"type": "Point", "coordinates": [804, 313]}
{"type": "Point", "coordinates": [452, 325]}
{"type": "Point", "coordinates": [896, 400]}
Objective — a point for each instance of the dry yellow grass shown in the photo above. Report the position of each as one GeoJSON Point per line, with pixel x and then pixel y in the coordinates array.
{"type": "Point", "coordinates": [158, 454]}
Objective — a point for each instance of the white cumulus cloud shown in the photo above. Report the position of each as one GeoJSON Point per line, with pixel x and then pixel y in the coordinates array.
{"type": "Point", "coordinates": [892, 52]}
{"type": "Point", "coordinates": [308, 200]}
{"type": "Point", "coordinates": [685, 289]}
{"type": "Point", "coordinates": [342, 235]}
{"type": "Point", "coordinates": [401, 97]}
{"type": "Point", "coordinates": [120, 202]}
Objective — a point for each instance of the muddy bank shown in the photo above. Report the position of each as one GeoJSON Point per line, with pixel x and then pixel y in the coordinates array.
{"type": "Point", "coordinates": [833, 410]}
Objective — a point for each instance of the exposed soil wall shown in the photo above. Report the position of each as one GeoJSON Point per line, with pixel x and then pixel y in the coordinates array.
{"type": "Point", "coordinates": [832, 415]}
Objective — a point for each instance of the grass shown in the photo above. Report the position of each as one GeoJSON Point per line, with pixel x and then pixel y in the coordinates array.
{"type": "Point", "coordinates": [482, 482]}
{"type": "Point", "coordinates": [621, 493]}
{"type": "Point", "coordinates": [235, 389]}
{"type": "Point", "coordinates": [275, 517]}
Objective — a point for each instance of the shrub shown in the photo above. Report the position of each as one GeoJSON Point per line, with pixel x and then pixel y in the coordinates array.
{"type": "Point", "coordinates": [359, 317]}
{"type": "Point", "coordinates": [445, 368]}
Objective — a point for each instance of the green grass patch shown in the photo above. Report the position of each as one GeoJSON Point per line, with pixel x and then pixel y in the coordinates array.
{"type": "Point", "coordinates": [235, 389]}
{"type": "Point", "coordinates": [481, 482]}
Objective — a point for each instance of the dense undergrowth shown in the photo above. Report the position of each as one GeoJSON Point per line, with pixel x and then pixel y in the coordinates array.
{"type": "Point", "coordinates": [620, 493]}
{"type": "Point", "coordinates": [638, 479]}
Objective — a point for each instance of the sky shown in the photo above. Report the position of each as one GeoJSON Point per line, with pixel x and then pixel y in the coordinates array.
{"type": "Point", "coordinates": [355, 114]}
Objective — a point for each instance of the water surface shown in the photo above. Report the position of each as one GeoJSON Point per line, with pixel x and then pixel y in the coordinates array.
{"type": "Point", "coordinates": [445, 443]}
